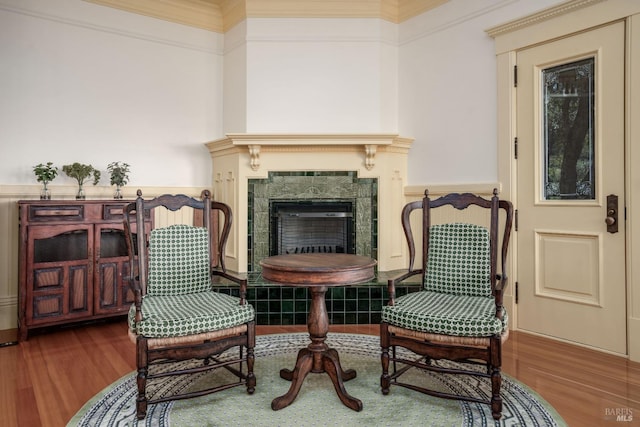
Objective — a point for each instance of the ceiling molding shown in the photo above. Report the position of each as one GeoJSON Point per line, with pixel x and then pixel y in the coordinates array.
{"type": "Point", "coordinates": [544, 15]}
{"type": "Point", "coordinates": [233, 12]}
{"type": "Point", "coordinates": [408, 9]}
{"type": "Point", "coordinates": [222, 15]}
{"type": "Point", "coordinates": [203, 14]}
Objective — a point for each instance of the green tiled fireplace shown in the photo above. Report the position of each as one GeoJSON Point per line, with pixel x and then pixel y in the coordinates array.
{"type": "Point", "coordinates": [281, 305]}
{"type": "Point", "coordinates": [311, 185]}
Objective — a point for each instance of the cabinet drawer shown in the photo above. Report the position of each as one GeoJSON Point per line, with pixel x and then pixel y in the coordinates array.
{"type": "Point", "coordinates": [115, 211]}
{"type": "Point", "coordinates": [42, 213]}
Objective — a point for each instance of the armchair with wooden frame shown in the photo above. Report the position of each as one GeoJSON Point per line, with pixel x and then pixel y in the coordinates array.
{"type": "Point", "coordinates": [176, 315]}
{"type": "Point", "coordinates": [458, 313]}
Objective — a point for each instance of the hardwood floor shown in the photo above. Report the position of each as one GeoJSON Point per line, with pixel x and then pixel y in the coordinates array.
{"type": "Point", "coordinates": [48, 378]}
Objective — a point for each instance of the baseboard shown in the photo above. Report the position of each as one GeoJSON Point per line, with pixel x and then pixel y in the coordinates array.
{"type": "Point", "coordinates": [8, 337]}
{"type": "Point", "coordinates": [634, 344]}
{"type": "Point", "coordinates": [8, 313]}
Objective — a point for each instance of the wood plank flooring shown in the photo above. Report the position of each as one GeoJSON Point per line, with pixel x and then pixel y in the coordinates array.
{"type": "Point", "coordinates": [46, 380]}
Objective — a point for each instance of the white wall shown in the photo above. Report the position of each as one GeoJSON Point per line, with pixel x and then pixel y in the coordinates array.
{"type": "Point", "coordinates": [91, 84]}
{"type": "Point", "coordinates": [235, 80]}
{"type": "Point", "coordinates": [86, 83]}
{"type": "Point", "coordinates": [321, 76]}
{"type": "Point", "coordinates": [448, 89]}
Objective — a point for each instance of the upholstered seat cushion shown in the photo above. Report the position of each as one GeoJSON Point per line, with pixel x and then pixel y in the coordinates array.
{"type": "Point", "coordinates": [179, 260]}
{"type": "Point", "coordinates": [459, 260]}
{"type": "Point", "coordinates": [447, 314]}
{"type": "Point", "coordinates": [180, 315]}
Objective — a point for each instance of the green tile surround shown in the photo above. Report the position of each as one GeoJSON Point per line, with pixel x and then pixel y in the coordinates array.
{"type": "Point", "coordinates": [311, 185]}
{"type": "Point", "coordinates": [281, 305]}
{"type": "Point", "coordinates": [286, 305]}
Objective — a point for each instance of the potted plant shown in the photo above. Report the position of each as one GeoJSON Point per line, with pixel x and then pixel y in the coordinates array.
{"type": "Point", "coordinates": [119, 172]}
{"type": "Point", "coordinates": [80, 173]}
{"type": "Point", "coordinates": [45, 173]}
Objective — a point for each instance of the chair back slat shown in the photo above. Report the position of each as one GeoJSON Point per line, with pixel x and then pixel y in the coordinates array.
{"type": "Point", "coordinates": [453, 207]}
{"type": "Point", "coordinates": [201, 243]}
{"type": "Point", "coordinates": [463, 202]}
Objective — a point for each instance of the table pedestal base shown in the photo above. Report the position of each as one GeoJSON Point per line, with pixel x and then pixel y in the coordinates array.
{"type": "Point", "coordinates": [317, 358]}
{"type": "Point", "coordinates": [314, 360]}
{"type": "Point", "coordinates": [317, 272]}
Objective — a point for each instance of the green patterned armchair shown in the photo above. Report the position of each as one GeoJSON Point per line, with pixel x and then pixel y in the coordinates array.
{"type": "Point", "coordinates": [458, 313]}
{"type": "Point", "coordinates": [176, 315]}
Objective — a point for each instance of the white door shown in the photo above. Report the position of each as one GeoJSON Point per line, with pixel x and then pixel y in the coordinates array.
{"type": "Point", "coordinates": [570, 167]}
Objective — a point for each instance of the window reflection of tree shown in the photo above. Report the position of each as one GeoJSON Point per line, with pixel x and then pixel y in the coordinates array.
{"type": "Point", "coordinates": [569, 130]}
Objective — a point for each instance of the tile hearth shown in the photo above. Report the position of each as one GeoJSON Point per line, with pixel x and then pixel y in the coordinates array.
{"type": "Point", "coordinates": [282, 305]}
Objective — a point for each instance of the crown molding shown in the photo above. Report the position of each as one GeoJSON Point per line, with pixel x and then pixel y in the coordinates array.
{"type": "Point", "coordinates": [56, 14]}
{"type": "Point", "coordinates": [544, 15]}
{"type": "Point", "coordinates": [222, 15]}
{"type": "Point", "coordinates": [408, 9]}
{"type": "Point", "coordinates": [203, 14]}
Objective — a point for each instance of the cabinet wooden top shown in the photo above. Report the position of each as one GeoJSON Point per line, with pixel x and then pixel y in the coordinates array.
{"type": "Point", "coordinates": [64, 211]}
{"type": "Point", "coordinates": [74, 202]}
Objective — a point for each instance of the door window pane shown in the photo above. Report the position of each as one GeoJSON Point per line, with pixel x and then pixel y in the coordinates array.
{"type": "Point", "coordinates": [568, 131]}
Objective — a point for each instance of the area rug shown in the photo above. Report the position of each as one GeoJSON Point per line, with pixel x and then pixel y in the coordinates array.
{"type": "Point", "coordinates": [317, 403]}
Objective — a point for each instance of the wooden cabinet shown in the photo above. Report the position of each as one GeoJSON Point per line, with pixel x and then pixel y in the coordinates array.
{"type": "Point", "coordinates": [73, 259]}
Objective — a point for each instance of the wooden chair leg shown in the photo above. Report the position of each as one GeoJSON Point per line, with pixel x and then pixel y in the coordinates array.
{"type": "Point", "coordinates": [251, 343]}
{"type": "Point", "coordinates": [251, 378]}
{"type": "Point", "coordinates": [142, 362]}
{"type": "Point", "coordinates": [495, 363]}
{"type": "Point", "coordinates": [496, 400]}
{"type": "Point", "coordinates": [385, 381]}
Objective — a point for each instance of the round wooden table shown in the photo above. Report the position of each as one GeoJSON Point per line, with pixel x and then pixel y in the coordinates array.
{"type": "Point", "coordinates": [317, 272]}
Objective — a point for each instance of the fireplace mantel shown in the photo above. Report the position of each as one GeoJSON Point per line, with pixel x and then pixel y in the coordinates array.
{"type": "Point", "coordinates": [239, 157]}
{"type": "Point", "coordinates": [367, 144]}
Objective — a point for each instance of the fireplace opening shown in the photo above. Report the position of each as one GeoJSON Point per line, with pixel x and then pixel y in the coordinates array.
{"type": "Point", "coordinates": [311, 226]}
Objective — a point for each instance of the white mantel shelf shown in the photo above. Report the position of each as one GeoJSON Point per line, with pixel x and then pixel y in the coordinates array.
{"type": "Point", "coordinates": [367, 144]}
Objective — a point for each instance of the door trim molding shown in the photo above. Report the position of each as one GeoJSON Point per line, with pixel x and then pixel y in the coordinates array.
{"type": "Point", "coordinates": [559, 21]}
{"type": "Point", "coordinates": [536, 18]}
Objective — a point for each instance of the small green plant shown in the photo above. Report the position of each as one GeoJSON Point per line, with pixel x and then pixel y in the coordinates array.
{"type": "Point", "coordinates": [45, 173]}
{"type": "Point", "coordinates": [80, 173]}
{"type": "Point", "coordinates": [119, 172]}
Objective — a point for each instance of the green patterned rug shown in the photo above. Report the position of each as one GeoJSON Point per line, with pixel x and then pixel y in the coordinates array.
{"type": "Point", "coordinates": [317, 403]}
